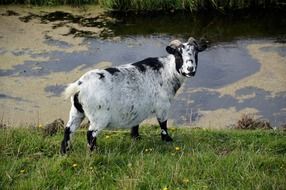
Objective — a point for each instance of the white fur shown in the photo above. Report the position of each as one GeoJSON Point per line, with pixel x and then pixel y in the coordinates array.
{"type": "Point", "coordinates": [71, 90]}
{"type": "Point", "coordinates": [128, 97]}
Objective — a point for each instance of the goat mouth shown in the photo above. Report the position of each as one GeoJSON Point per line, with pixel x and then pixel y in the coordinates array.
{"type": "Point", "coordinates": [192, 74]}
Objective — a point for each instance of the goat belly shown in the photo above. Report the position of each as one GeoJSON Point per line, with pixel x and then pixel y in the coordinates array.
{"type": "Point", "coordinates": [132, 100]}
{"type": "Point", "coordinates": [126, 114]}
{"type": "Point", "coordinates": [123, 100]}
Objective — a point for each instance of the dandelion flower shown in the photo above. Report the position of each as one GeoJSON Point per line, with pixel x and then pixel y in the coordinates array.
{"type": "Point", "coordinates": [165, 188]}
{"type": "Point", "coordinates": [74, 165]}
{"type": "Point", "coordinates": [177, 148]}
{"type": "Point", "coordinates": [186, 180]}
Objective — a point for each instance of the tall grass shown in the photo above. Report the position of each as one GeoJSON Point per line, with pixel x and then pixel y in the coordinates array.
{"type": "Point", "coordinates": [155, 5]}
{"type": "Point", "coordinates": [49, 2]}
{"type": "Point", "coordinates": [197, 159]}
{"type": "Point", "coordinates": [193, 5]}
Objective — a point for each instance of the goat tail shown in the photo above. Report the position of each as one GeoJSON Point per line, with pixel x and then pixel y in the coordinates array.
{"type": "Point", "coordinates": [71, 90]}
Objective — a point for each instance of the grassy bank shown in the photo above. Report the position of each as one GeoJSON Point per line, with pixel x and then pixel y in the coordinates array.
{"type": "Point", "coordinates": [197, 159]}
{"type": "Point", "coordinates": [155, 5]}
{"type": "Point", "coordinates": [193, 5]}
{"type": "Point", "coordinates": [50, 2]}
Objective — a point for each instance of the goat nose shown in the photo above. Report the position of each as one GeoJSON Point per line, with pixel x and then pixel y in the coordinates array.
{"type": "Point", "coordinates": [190, 69]}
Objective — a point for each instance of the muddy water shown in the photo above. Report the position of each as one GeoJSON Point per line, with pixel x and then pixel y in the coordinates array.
{"type": "Point", "coordinates": [243, 71]}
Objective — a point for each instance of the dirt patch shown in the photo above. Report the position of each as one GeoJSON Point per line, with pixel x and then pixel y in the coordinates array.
{"type": "Point", "coordinates": [18, 35]}
{"type": "Point", "coordinates": [272, 74]}
{"type": "Point", "coordinates": [28, 34]}
{"type": "Point", "coordinates": [30, 37]}
{"type": "Point", "coordinates": [222, 118]}
{"type": "Point", "coordinates": [40, 106]}
{"type": "Point", "coordinates": [29, 28]}
{"type": "Point", "coordinates": [9, 60]}
{"type": "Point", "coordinates": [265, 85]}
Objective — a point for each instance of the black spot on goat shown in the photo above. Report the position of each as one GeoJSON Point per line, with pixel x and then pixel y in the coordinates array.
{"type": "Point", "coordinates": [131, 93]}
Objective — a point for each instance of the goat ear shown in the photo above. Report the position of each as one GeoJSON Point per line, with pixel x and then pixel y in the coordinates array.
{"type": "Point", "coordinates": [201, 45]}
{"type": "Point", "coordinates": [171, 50]}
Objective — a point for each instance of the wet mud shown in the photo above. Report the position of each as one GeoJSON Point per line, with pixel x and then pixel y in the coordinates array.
{"type": "Point", "coordinates": [243, 71]}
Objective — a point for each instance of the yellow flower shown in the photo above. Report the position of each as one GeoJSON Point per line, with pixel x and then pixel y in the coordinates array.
{"type": "Point", "coordinates": [22, 171]}
{"type": "Point", "coordinates": [186, 180]}
{"type": "Point", "coordinates": [177, 148]}
{"type": "Point", "coordinates": [107, 136]}
{"type": "Point", "coordinates": [40, 126]}
{"type": "Point", "coordinates": [165, 188]}
{"type": "Point", "coordinates": [74, 165]}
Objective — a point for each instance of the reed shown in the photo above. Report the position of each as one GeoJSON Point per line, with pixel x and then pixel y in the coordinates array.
{"type": "Point", "coordinates": [157, 5]}
{"type": "Point", "coordinates": [193, 5]}
{"type": "Point", "coordinates": [49, 2]}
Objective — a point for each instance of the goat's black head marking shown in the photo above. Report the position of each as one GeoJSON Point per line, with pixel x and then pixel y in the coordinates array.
{"type": "Point", "coordinates": [186, 55]}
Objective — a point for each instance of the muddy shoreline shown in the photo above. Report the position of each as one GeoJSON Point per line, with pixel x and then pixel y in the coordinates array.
{"type": "Point", "coordinates": [44, 49]}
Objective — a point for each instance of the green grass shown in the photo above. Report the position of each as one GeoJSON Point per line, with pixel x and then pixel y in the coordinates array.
{"type": "Point", "coordinates": [155, 5]}
{"type": "Point", "coordinates": [193, 5]}
{"type": "Point", "coordinates": [50, 2]}
{"type": "Point", "coordinates": [197, 159]}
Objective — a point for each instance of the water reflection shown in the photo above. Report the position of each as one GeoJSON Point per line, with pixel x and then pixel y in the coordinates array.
{"type": "Point", "coordinates": [191, 104]}
{"type": "Point", "coordinates": [224, 66]}
{"type": "Point", "coordinates": [215, 26]}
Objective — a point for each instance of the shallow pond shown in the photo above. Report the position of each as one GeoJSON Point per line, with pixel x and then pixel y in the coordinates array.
{"type": "Point", "coordinates": [243, 70]}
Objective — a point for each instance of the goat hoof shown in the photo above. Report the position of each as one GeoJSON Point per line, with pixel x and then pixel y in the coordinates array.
{"type": "Point", "coordinates": [91, 147]}
{"type": "Point", "coordinates": [91, 141]}
{"type": "Point", "coordinates": [136, 137]}
{"type": "Point", "coordinates": [166, 138]}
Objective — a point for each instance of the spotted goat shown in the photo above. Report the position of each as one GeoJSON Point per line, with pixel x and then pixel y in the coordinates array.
{"type": "Point", "coordinates": [124, 96]}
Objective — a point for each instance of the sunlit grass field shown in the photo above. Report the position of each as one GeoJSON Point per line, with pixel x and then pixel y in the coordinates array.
{"type": "Point", "coordinates": [197, 159]}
